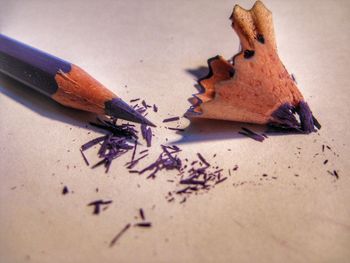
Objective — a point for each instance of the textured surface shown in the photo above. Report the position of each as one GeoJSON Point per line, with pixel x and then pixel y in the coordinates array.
{"type": "Point", "coordinates": [154, 48]}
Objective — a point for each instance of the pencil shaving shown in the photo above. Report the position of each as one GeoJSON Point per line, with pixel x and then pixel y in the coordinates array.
{"type": "Point", "coordinates": [254, 86]}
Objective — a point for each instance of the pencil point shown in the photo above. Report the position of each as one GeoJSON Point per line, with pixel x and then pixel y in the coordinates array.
{"type": "Point", "coordinates": [119, 109]}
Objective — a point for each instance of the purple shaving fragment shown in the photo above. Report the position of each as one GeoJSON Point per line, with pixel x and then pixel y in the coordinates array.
{"type": "Point", "coordinates": [146, 134]}
{"type": "Point", "coordinates": [252, 135]}
{"type": "Point", "coordinates": [92, 143]}
{"type": "Point", "coordinates": [317, 124]}
{"type": "Point", "coordinates": [306, 118]}
{"type": "Point", "coordinates": [125, 130]}
{"type": "Point", "coordinates": [176, 129]}
{"type": "Point", "coordinates": [175, 148]}
{"type": "Point", "coordinates": [284, 119]}
{"type": "Point", "coordinates": [119, 140]}
{"type": "Point", "coordinates": [65, 190]}
{"type": "Point", "coordinates": [166, 160]}
{"type": "Point", "coordinates": [134, 100]}
{"type": "Point", "coordinates": [143, 224]}
{"type": "Point", "coordinates": [144, 104]}
{"type": "Point", "coordinates": [84, 157]}
{"type": "Point", "coordinates": [155, 108]}
{"type": "Point", "coordinates": [335, 173]}
{"type": "Point", "coordinates": [98, 204]}
{"type": "Point", "coordinates": [202, 159]}
{"type": "Point", "coordinates": [171, 119]}
{"type": "Point", "coordinates": [141, 110]}
{"type": "Point", "coordinates": [134, 162]}
{"type": "Point", "coordinates": [134, 152]}
{"type": "Point", "coordinates": [192, 182]}
{"type": "Point", "coordinates": [116, 238]}
{"type": "Point", "coordinates": [142, 214]}
{"type": "Point", "coordinates": [149, 137]}
{"type": "Point", "coordinates": [143, 130]}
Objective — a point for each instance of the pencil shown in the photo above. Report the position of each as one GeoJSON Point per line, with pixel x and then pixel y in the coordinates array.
{"type": "Point", "coordinates": [62, 81]}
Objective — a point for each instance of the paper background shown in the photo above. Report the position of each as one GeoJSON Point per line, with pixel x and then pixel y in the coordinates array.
{"type": "Point", "coordinates": [150, 46]}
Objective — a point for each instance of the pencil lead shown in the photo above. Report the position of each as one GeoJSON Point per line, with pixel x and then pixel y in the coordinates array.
{"type": "Point", "coordinates": [116, 107]}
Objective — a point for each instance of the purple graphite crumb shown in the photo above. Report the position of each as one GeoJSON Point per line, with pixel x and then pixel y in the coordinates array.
{"type": "Point", "coordinates": [65, 190]}
{"type": "Point", "coordinates": [155, 108]}
{"type": "Point", "coordinates": [143, 130]}
{"type": "Point", "coordinates": [143, 224]}
{"type": "Point", "coordinates": [132, 164]}
{"type": "Point", "coordinates": [284, 119]}
{"type": "Point", "coordinates": [84, 157]}
{"type": "Point", "coordinates": [167, 160]}
{"type": "Point", "coordinates": [284, 115]}
{"type": "Point", "coordinates": [142, 214]}
{"type": "Point", "coordinates": [121, 232]}
{"type": "Point", "coordinates": [134, 152]}
{"type": "Point", "coordinates": [144, 104]}
{"type": "Point", "coordinates": [119, 140]}
{"type": "Point", "coordinates": [171, 119]}
{"type": "Point", "coordinates": [203, 160]}
{"type": "Point", "coordinates": [146, 134]}
{"type": "Point", "coordinates": [149, 137]}
{"type": "Point", "coordinates": [306, 118]}
{"type": "Point", "coordinates": [176, 129]}
{"type": "Point", "coordinates": [93, 142]}
{"type": "Point", "coordinates": [252, 135]}
{"type": "Point", "coordinates": [98, 204]}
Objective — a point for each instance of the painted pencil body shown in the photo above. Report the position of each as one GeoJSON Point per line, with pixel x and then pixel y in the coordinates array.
{"type": "Point", "coordinates": [64, 82]}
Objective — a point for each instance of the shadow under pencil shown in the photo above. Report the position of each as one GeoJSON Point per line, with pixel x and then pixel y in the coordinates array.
{"type": "Point", "coordinates": [43, 105]}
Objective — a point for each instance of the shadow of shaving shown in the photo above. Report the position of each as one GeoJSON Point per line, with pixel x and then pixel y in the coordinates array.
{"type": "Point", "coordinates": [43, 105]}
{"type": "Point", "coordinates": [198, 72]}
{"type": "Point", "coordinates": [214, 130]}
{"type": "Point", "coordinates": [210, 130]}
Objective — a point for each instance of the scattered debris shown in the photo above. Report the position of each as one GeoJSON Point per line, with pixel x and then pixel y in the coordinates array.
{"type": "Point", "coordinates": [65, 190]}
{"type": "Point", "coordinates": [98, 204]}
{"type": "Point", "coordinates": [171, 119]}
{"type": "Point", "coordinates": [121, 232]}
{"type": "Point", "coordinates": [253, 135]}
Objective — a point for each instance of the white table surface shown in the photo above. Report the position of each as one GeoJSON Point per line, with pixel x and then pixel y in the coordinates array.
{"type": "Point", "coordinates": [151, 47]}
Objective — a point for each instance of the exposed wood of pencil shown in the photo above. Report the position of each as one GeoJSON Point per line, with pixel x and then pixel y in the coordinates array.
{"type": "Point", "coordinates": [256, 83]}
{"type": "Point", "coordinates": [79, 90]}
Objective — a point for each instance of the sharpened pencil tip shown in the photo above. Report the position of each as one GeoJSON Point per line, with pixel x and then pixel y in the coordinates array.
{"type": "Point", "coordinates": [116, 107]}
